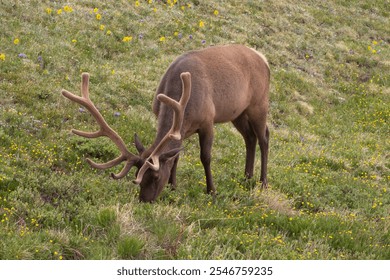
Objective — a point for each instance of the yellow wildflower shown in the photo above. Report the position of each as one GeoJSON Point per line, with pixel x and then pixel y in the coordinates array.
{"type": "Point", "coordinates": [48, 11]}
{"type": "Point", "coordinates": [2, 56]}
{"type": "Point", "coordinates": [201, 24]}
{"type": "Point", "coordinates": [102, 27]}
{"type": "Point", "coordinates": [68, 9]}
{"type": "Point", "coordinates": [108, 32]}
{"type": "Point", "coordinates": [127, 39]}
{"type": "Point", "coordinates": [162, 39]}
{"type": "Point", "coordinates": [216, 12]}
{"type": "Point", "coordinates": [96, 10]}
{"type": "Point", "coordinates": [59, 11]}
{"type": "Point", "coordinates": [16, 41]}
{"type": "Point", "coordinates": [98, 16]}
{"type": "Point", "coordinates": [137, 3]}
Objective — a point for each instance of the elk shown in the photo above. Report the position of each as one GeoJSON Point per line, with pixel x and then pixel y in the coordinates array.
{"type": "Point", "coordinates": [200, 88]}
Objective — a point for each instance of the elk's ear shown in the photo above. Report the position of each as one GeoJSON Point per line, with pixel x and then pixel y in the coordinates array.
{"type": "Point", "coordinates": [170, 154]}
{"type": "Point", "coordinates": [138, 144]}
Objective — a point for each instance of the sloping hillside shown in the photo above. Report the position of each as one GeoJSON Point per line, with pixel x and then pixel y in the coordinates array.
{"type": "Point", "coordinates": [329, 121]}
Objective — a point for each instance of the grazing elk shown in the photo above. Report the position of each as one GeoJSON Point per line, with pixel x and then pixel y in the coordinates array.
{"type": "Point", "coordinates": [217, 84]}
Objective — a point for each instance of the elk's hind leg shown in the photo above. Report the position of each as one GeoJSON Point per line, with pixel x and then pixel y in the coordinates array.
{"type": "Point", "coordinates": [258, 121]}
{"type": "Point", "coordinates": [244, 127]}
{"type": "Point", "coordinates": [264, 157]}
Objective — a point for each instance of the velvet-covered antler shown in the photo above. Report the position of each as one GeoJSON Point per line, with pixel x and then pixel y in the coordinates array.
{"type": "Point", "coordinates": [175, 131]}
{"type": "Point", "coordinates": [105, 130]}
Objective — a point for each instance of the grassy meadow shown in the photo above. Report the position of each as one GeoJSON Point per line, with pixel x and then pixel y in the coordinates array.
{"type": "Point", "coordinates": [329, 162]}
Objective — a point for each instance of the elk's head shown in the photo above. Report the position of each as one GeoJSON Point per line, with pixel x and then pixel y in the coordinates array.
{"type": "Point", "coordinates": [154, 168]}
{"type": "Point", "coordinates": [153, 181]}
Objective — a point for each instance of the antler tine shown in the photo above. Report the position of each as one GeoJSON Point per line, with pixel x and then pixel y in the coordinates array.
{"type": "Point", "coordinates": [142, 171]}
{"type": "Point", "coordinates": [174, 133]}
{"type": "Point", "coordinates": [85, 85]}
{"type": "Point", "coordinates": [104, 130]}
{"type": "Point", "coordinates": [178, 107]}
{"type": "Point", "coordinates": [129, 164]}
{"type": "Point", "coordinates": [106, 165]}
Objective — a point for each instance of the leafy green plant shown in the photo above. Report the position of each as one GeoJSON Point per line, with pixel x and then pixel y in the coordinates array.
{"type": "Point", "coordinates": [129, 247]}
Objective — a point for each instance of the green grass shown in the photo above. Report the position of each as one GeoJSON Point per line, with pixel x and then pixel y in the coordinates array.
{"type": "Point", "coordinates": [329, 168]}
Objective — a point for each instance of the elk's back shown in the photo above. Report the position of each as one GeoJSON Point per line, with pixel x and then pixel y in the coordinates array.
{"type": "Point", "coordinates": [226, 80]}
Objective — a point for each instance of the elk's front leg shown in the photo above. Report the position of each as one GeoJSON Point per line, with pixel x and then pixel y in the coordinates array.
{"type": "Point", "coordinates": [206, 137]}
{"type": "Point", "coordinates": [172, 178]}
